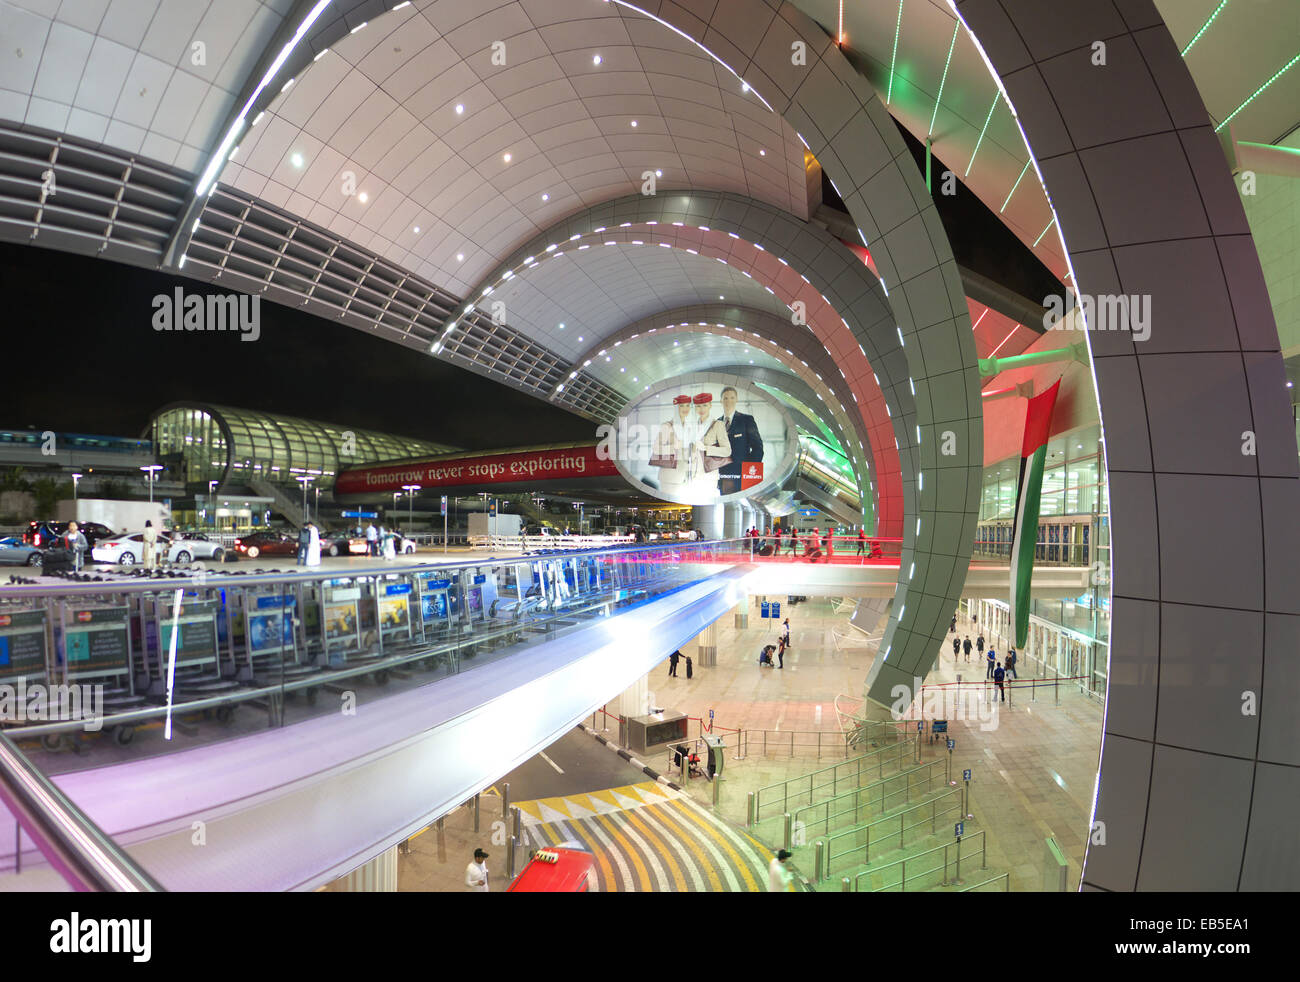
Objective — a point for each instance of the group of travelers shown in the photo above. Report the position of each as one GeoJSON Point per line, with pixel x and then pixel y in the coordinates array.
{"type": "Point", "coordinates": [381, 541]}
{"type": "Point", "coordinates": [309, 545]}
{"type": "Point", "coordinates": [815, 545]}
{"type": "Point", "coordinates": [776, 651]}
{"type": "Point", "coordinates": [997, 671]}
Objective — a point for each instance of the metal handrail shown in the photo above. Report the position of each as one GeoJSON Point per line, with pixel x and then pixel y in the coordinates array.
{"type": "Point", "coordinates": [74, 845]}
{"type": "Point", "coordinates": [214, 576]}
{"type": "Point", "coordinates": [857, 792]}
{"type": "Point", "coordinates": [932, 804]}
{"type": "Point", "coordinates": [810, 777]}
{"type": "Point", "coordinates": [1004, 877]}
{"type": "Point", "coordinates": [857, 880]}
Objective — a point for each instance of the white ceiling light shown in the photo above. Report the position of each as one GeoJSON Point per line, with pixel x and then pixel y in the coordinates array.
{"type": "Point", "coordinates": [363, 197]}
{"type": "Point", "coordinates": [595, 59]}
{"type": "Point", "coordinates": [634, 123]}
{"type": "Point", "coordinates": [296, 160]}
{"type": "Point", "coordinates": [460, 257]}
{"type": "Point", "coordinates": [762, 153]}
{"type": "Point", "coordinates": [546, 197]}
{"type": "Point", "coordinates": [659, 173]}
{"type": "Point", "coordinates": [561, 325]}
{"type": "Point", "coordinates": [460, 109]}
{"type": "Point", "coordinates": [506, 157]}
{"type": "Point", "coordinates": [416, 229]}
{"type": "Point", "coordinates": [358, 27]}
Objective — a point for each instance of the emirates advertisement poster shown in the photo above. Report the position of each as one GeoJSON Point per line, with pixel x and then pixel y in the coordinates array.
{"type": "Point", "coordinates": [700, 440]}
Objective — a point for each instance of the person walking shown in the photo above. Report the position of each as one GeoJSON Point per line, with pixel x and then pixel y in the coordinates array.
{"type": "Point", "coordinates": [779, 877]}
{"type": "Point", "coordinates": [1011, 664]}
{"type": "Point", "coordinates": [672, 664]}
{"type": "Point", "coordinates": [372, 540]}
{"type": "Point", "coordinates": [780, 653]}
{"type": "Point", "coordinates": [979, 645]}
{"type": "Point", "coordinates": [862, 540]}
{"type": "Point", "coordinates": [992, 663]}
{"type": "Point", "coordinates": [830, 542]}
{"type": "Point", "coordinates": [313, 544]}
{"type": "Point", "coordinates": [794, 541]}
{"type": "Point", "coordinates": [785, 631]}
{"type": "Point", "coordinates": [956, 648]}
{"type": "Point", "coordinates": [304, 540]}
{"type": "Point", "coordinates": [998, 676]}
{"type": "Point", "coordinates": [952, 628]}
{"type": "Point", "coordinates": [149, 554]}
{"type": "Point", "coordinates": [476, 873]}
{"type": "Point", "coordinates": [965, 646]}
{"type": "Point", "coordinates": [776, 541]}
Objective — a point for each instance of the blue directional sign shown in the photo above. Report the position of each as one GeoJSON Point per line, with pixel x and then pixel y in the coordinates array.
{"type": "Point", "coordinates": [710, 714]}
{"type": "Point", "coordinates": [920, 724]}
{"type": "Point", "coordinates": [951, 744]}
{"type": "Point", "coordinates": [959, 829]}
{"type": "Point", "coordinates": [965, 775]}
{"type": "Point", "coordinates": [776, 610]}
{"type": "Point", "coordinates": [767, 609]}
{"type": "Point", "coordinates": [361, 514]}
{"type": "Point", "coordinates": [444, 504]}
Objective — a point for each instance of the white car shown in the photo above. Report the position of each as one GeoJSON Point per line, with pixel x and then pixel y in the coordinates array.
{"type": "Point", "coordinates": [127, 550]}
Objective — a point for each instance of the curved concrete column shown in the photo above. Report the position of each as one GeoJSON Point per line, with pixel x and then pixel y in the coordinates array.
{"type": "Point", "coordinates": [1196, 788]}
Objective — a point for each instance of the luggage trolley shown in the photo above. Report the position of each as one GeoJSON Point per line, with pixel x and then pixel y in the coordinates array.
{"type": "Point", "coordinates": [95, 646]}
{"type": "Point", "coordinates": [198, 664]}
{"type": "Point", "coordinates": [25, 657]}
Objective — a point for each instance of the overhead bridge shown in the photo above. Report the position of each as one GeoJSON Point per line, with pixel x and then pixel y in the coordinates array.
{"type": "Point", "coordinates": [351, 742]}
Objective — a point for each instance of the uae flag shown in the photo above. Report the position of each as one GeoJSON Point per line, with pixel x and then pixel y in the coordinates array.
{"type": "Point", "coordinates": [1033, 454]}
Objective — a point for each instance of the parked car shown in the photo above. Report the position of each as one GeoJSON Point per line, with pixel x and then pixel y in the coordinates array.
{"type": "Point", "coordinates": [188, 546]}
{"type": "Point", "coordinates": [342, 544]}
{"type": "Point", "coordinates": [15, 552]}
{"type": "Point", "coordinates": [128, 549]}
{"type": "Point", "coordinates": [268, 543]}
{"type": "Point", "coordinates": [43, 534]}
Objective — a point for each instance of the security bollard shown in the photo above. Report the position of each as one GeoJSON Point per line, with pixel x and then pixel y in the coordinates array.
{"type": "Point", "coordinates": [442, 840]}
{"type": "Point", "coordinates": [844, 885]}
{"type": "Point", "coordinates": [515, 823]}
{"type": "Point", "coordinates": [476, 810]}
{"type": "Point", "coordinates": [818, 856]}
{"type": "Point", "coordinates": [749, 811]}
{"type": "Point", "coordinates": [505, 802]}
{"type": "Point", "coordinates": [510, 859]}
{"type": "Point", "coordinates": [788, 835]}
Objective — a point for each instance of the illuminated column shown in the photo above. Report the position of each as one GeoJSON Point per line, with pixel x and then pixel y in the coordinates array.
{"type": "Point", "coordinates": [742, 613]}
{"type": "Point", "coordinates": [635, 699]}
{"type": "Point", "coordinates": [709, 520]}
{"type": "Point", "coordinates": [707, 644]}
{"type": "Point", "coordinates": [377, 876]}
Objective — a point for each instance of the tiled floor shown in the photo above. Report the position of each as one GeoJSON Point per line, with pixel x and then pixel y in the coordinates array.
{"type": "Point", "coordinates": [1034, 762]}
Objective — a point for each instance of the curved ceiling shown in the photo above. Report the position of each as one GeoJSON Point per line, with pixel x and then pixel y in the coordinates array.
{"type": "Point", "coordinates": [382, 103]}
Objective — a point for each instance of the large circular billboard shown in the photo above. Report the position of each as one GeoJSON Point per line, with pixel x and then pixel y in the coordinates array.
{"type": "Point", "coordinates": [701, 439]}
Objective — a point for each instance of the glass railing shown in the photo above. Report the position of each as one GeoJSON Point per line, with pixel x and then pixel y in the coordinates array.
{"type": "Point", "coordinates": [137, 666]}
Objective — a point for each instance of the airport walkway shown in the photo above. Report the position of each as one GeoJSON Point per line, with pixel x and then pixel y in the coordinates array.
{"type": "Point", "coordinates": [1034, 766]}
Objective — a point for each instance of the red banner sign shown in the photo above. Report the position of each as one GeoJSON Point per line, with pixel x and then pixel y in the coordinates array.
{"type": "Point", "coordinates": [490, 468]}
{"type": "Point", "coordinates": [751, 473]}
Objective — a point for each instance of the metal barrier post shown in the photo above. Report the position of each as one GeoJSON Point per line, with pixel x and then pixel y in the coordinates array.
{"type": "Point", "coordinates": [945, 865]}
{"type": "Point", "coordinates": [819, 744]}
{"type": "Point", "coordinates": [1057, 686]}
{"type": "Point", "coordinates": [765, 743]}
{"type": "Point", "coordinates": [787, 835]}
{"type": "Point", "coordinates": [844, 885]}
{"type": "Point", "coordinates": [819, 851]}
{"type": "Point", "coordinates": [476, 809]}
{"type": "Point", "coordinates": [515, 821]}
{"type": "Point", "coordinates": [749, 811]}
{"type": "Point", "coordinates": [505, 802]}
{"type": "Point", "coordinates": [442, 840]}
{"type": "Point", "coordinates": [957, 878]}
{"type": "Point", "coordinates": [904, 884]}
{"type": "Point", "coordinates": [717, 779]}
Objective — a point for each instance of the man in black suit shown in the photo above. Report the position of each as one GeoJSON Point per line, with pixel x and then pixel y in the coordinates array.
{"type": "Point", "coordinates": [746, 444]}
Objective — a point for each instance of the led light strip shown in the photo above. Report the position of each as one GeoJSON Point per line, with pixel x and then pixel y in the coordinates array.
{"type": "Point", "coordinates": [952, 44]}
{"type": "Point", "coordinates": [893, 59]}
{"type": "Point", "coordinates": [207, 181]}
{"type": "Point", "coordinates": [1204, 28]}
{"type": "Point", "coordinates": [1276, 75]}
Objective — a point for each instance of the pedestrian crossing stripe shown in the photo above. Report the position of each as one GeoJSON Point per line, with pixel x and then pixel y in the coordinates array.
{"type": "Point", "coordinates": [666, 844]}
{"type": "Point", "coordinates": [579, 806]}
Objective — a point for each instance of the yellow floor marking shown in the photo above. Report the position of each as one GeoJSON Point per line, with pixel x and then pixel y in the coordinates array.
{"type": "Point", "coordinates": [529, 808]}
{"type": "Point", "coordinates": [606, 796]}
{"type": "Point", "coordinates": [661, 846]}
{"type": "Point", "coordinates": [668, 815]}
{"type": "Point", "coordinates": [661, 882]}
{"type": "Point", "coordinates": [741, 866]}
{"type": "Point", "coordinates": [560, 805]}
{"type": "Point", "coordinates": [606, 850]}
{"type": "Point", "coordinates": [644, 881]}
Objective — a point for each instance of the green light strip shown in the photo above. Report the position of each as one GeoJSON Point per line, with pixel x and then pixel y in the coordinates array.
{"type": "Point", "coordinates": [1276, 75]}
{"type": "Point", "coordinates": [1013, 189]}
{"type": "Point", "coordinates": [952, 44]}
{"type": "Point", "coordinates": [996, 96]}
{"type": "Point", "coordinates": [1204, 27]}
{"type": "Point", "coordinates": [1044, 232]}
{"type": "Point", "coordinates": [893, 59]}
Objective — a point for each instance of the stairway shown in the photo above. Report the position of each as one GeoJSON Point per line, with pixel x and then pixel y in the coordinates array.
{"type": "Point", "coordinates": [289, 509]}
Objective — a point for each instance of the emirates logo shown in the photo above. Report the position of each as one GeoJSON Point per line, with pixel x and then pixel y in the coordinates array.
{"type": "Point", "coordinates": [84, 615]}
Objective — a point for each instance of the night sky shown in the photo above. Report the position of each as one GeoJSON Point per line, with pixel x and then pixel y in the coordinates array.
{"type": "Point", "coordinates": [82, 357]}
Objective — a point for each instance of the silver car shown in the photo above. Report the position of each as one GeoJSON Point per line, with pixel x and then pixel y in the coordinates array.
{"type": "Point", "coordinates": [15, 552]}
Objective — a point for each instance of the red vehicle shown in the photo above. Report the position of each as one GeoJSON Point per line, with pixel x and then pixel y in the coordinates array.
{"type": "Point", "coordinates": [557, 870]}
{"type": "Point", "coordinates": [266, 544]}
